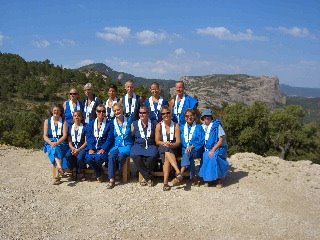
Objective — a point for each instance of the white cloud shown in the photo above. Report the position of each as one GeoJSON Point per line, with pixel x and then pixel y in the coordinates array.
{"type": "Point", "coordinates": [1, 39]}
{"type": "Point", "coordinates": [85, 62]}
{"type": "Point", "coordinates": [148, 37]}
{"type": "Point", "coordinates": [225, 34]}
{"type": "Point", "coordinates": [41, 43]}
{"type": "Point", "coordinates": [66, 42]}
{"type": "Point", "coordinates": [294, 31]}
{"type": "Point", "coordinates": [114, 34]}
{"type": "Point", "coordinates": [179, 52]}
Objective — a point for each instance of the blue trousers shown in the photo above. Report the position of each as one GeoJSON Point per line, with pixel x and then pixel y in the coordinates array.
{"type": "Point", "coordinates": [116, 160]}
{"type": "Point", "coordinates": [188, 161]}
{"type": "Point", "coordinates": [95, 161]}
{"type": "Point", "coordinates": [78, 161]}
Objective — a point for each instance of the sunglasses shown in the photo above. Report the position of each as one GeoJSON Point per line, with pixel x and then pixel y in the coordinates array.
{"type": "Point", "coordinates": [101, 111]}
{"type": "Point", "coordinates": [142, 112]}
{"type": "Point", "coordinates": [73, 93]}
{"type": "Point", "coordinates": [165, 113]}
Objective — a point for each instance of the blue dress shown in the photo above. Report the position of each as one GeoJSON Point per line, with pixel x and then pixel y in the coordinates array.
{"type": "Point", "coordinates": [105, 142]}
{"type": "Point", "coordinates": [214, 167]}
{"type": "Point", "coordinates": [79, 160]}
{"type": "Point", "coordinates": [57, 151]}
{"type": "Point", "coordinates": [139, 145]}
{"type": "Point", "coordinates": [155, 115]}
{"type": "Point", "coordinates": [197, 140]}
{"type": "Point", "coordinates": [189, 102]}
{"type": "Point", "coordinates": [135, 115]}
{"type": "Point", "coordinates": [91, 115]}
{"type": "Point", "coordinates": [67, 113]}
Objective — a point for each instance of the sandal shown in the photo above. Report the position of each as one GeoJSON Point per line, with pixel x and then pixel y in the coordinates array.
{"type": "Point", "coordinates": [110, 185]}
{"type": "Point", "coordinates": [175, 182]}
{"type": "Point", "coordinates": [195, 182]}
{"type": "Point", "coordinates": [219, 184]}
{"type": "Point", "coordinates": [150, 183]}
{"type": "Point", "coordinates": [56, 181]}
{"type": "Point", "coordinates": [166, 187]}
{"type": "Point", "coordinates": [143, 183]}
{"type": "Point", "coordinates": [179, 177]}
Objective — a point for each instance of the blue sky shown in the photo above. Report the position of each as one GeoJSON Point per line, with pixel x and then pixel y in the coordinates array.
{"type": "Point", "coordinates": [170, 39]}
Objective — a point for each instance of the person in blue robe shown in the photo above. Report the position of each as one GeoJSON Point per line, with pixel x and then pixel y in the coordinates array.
{"type": "Point", "coordinates": [99, 134]}
{"type": "Point", "coordinates": [112, 99]}
{"type": "Point", "coordinates": [155, 102]}
{"type": "Point", "coordinates": [55, 132]}
{"type": "Point", "coordinates": [181, 103]}
{"type": "Point", "coordinates": [192, 142]}
{"type": "Point", "coordinates": [90, 104]}
{"type": "Point", "coordinates": [72, 105]}
{"type": "Point", "coordinates": [77, 146]}
{"type": "Point", "coordinates": [122, 144]}
{"type": "Point", "coordinates": [131, 101]}
{"type": "Point", "coordinates": [214, 164]}
{"type": "Point", "coordinates": [144, 151]}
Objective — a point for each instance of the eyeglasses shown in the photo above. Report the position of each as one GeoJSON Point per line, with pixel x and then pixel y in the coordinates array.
{"type": "Point", "coordinates": [101, 111]}
{"type": "Point", "coordinates": [73, 93]}
{"type": "Point", "coordinates": [189, 116]}
{"type": "Point", "coordinates": [142, 112]}
{"type": "Point", "coordinates": [165, 113]}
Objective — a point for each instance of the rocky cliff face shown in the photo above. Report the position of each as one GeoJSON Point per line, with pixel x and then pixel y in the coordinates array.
{"type": "Point", "coordinates": [216, 90]}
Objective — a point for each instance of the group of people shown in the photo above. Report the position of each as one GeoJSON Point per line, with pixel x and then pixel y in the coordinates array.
{"type": "Point", "coordinates": [94, 133]}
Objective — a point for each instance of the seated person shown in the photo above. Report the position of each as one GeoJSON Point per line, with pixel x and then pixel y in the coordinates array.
{"type": "Point", "coordinates": [214, 164]}
{"type": "Point", "coordinates": [168, 140]}
{"type": "Point", "coordinates": [192, 141]}
{"type": "Point", "coordinates": [77, 144]}
{"type": "Point", "coordinates": [55, 132]}
{"type": "Point", "coordinates": [122, 144]}
{"type": "Point", "coordinates": [99, 134]}
{"type": "Point", "coordinates": [144, 152]}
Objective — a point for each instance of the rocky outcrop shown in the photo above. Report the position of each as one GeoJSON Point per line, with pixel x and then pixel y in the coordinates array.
{"type": "Point", "coordinates": [217, 90]}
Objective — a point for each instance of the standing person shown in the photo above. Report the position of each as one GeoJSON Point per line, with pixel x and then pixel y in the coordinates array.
{"type": "Point", "coordinates": [181, 103]}
{"type": "Point", "coordinates": [122, 144]}
{"type": "Point", "coordinates": [214, 164]}
{"type": "Point", "coordinates": [155, 102]}
{"type": "Point", "coordinates": [55, 132]}
{"type": "Point", "coordinates": [144, 151]}
{"type": "Point", "coordinates": [112, 99]}
{"type": "Point", "coordinates": [90, 104]}
{"type": "Point", "coordinates": [77, 144]}
{"type": "Point", "coordinates": [99, 134]}
{"type": "Point", "coordinates": [72, 105]}
{"type": "Point", "coordinates": [131, 101]}
{"type": "Point", "coordinates": [168, 139]}
{"type": "Point", "coordinates": [192, 141]}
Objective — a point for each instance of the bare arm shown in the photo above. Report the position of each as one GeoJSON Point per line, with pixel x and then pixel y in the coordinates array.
{"type": "Point", "coordinates": [157, 134]}
{"type": "Point", "coordinates": [45, 132]}
{"type": "Point", "coordinates": [215, 147]}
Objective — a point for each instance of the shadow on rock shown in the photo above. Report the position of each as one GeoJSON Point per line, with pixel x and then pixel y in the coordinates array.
{"type": "Point", "coordinates": [234, 176]}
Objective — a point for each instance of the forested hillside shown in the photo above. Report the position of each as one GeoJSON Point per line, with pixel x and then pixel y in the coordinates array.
{"type": "Point", "coordinates": [28, 89]}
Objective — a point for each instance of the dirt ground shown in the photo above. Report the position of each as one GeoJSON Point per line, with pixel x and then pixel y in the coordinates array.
{"type": "Point", "coordinates": [263, 198]}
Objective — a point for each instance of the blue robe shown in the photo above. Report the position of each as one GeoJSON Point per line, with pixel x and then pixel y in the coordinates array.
{"type": "Point", "coordinates": [135, 114]}
{"type": "Point", "coordinates": [79, 160]}
{"type": "Point", "coordinates": [57, 151]}
{"type": "Point", "coordinates": [155, 115]}
{"type": "Point", "coordinates": [67, 113]}
{"type": "Point", "coordinates": [214, 167]}
{"type": "Point", "coordinates": [93, 113]}
{"type": "Point", "coordinates": [139, 145]}
{"type": "Point", "coordinates": [197, 141]}
{"type": "Point", "coordinates": [189, 102]}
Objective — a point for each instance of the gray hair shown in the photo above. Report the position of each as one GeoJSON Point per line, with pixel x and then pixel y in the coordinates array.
{"type": "Point", "coordinates": [87, 86]}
